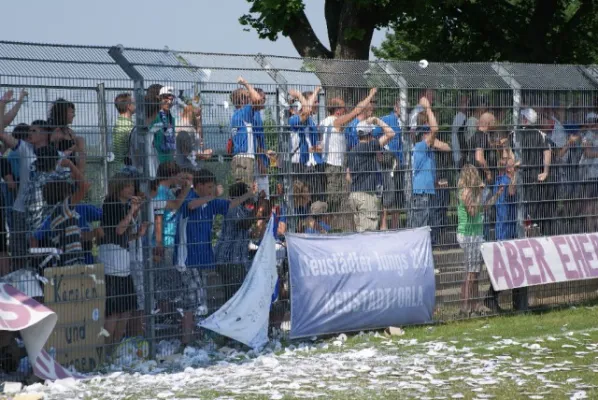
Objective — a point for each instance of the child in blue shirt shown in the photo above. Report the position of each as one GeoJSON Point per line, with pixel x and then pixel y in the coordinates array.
{"type": "Point", "coordinates": [197, 219]}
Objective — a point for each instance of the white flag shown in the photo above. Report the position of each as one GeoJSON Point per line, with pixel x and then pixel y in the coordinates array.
{"type": "Point", "coordinates": [245, 316]}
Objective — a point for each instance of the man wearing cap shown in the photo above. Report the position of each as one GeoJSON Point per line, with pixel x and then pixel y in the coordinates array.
{"type": "Point", "coordinates": [163, 127]}
{"type": "Point", "coordinates": [362, 173]}
{"type": "Point", "coordinates": [535, 168]}
{"type": "Point", "coordinates": [317, 221]}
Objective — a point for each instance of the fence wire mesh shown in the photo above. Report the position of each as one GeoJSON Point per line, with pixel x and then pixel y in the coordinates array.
{"type": "Point", "coordinates": [158, 133]}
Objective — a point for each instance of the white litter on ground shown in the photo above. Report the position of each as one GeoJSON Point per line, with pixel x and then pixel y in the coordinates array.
{"type": "Point", "coordinates": [433, 369]}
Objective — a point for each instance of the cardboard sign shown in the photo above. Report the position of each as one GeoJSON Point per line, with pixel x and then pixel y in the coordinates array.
{"type": "Point", "coordinates": [77, 294]}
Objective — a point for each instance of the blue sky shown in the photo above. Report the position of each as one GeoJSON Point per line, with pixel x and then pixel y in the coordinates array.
{"type": "Point", "coordinates": [193, 25]}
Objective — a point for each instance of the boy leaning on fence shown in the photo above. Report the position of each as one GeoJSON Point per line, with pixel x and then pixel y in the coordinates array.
{"type": "Point", "coordinates": [196, 258]}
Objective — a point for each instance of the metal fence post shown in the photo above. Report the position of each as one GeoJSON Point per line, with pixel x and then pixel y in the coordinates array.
{"type": "Point", "coordinates": [105, 140]}
{"type": "Point", "coordinates": [116, 53]}
{"type": "Point", "coordinates": [405, 137]}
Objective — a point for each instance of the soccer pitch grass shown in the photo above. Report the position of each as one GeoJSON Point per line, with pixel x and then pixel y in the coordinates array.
{"type": "Point", "coordinates": [553, 355]}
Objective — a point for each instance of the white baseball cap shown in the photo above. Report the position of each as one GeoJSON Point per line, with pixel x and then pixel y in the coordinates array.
{"type": "Point", "coordinates": [167, 90]}
{"type": "Point", "coordinates": [364, 129]}
{"type": "Point", "coordinates": [530, 115]}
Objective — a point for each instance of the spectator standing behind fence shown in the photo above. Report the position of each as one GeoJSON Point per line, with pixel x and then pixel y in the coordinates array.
{"type": "Point", "coordinates": [458, 129]}
{"type": "Point", "coordinates": [48, 167]}
{"type": "Point", "coordinates": [589, 172]}
{"type": "Point", "coordinates": [535, 167]}
{"type": "Point", "coordinates": [334, 147]}
{"type": "Point", "coordinates": [263, 156]}
{"type": "Point", "coordinates": [197, 257]}
{"type": "Point", "coordinates": [163, 126]}
{"type": "Point", "coordinates": [190, 151]}
{"type": "Point", "coordinates": [470, 235]}
{"type": "Point", "coordinates": [392, 169]}
{"type": "Point", "coordinates": [37, 137]}
{"type": "Point", "coordinates": [424, 167]}
{"type": "Point", "coordinates": [365, 112]}
{"type": "Point", "coordinates": [65, 232]}
{"type": "Point", "coordinates": [7, 179]}
{"type": "Point", "coordinates": [118, 212]}
{"type": "Point", "coordinates": [165, 205]}
{"type": "Point", "coordinates": [232, 249]}
{"type": "Point", "coordinates": [506, 213]}
{"type": "Point", "coordinates": [306, 157]}
{"type": "Point", "coordinates": [88, 213]}
{"type": "Point", "coordinates": [567, 155]}
{"type": "Point", "coordinates": [136, 154]}
{"type": "Point", "coordinates": [245, 142]}
{"type": "Point", "coordinates": [63, 138]}
{"type": "Point", "coordinates": [362, 171]}
{"type": "Point", "coordinates": [317, 222]}
{"type": "Point", "coordinates": [125, 105]}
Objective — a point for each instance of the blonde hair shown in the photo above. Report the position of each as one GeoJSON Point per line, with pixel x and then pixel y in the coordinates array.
{"type": "Point", "coordinates": [470, 179]}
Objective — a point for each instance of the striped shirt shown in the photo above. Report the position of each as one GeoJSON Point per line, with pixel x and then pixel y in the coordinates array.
{"type": "Point", "coordinates": [66, 234]}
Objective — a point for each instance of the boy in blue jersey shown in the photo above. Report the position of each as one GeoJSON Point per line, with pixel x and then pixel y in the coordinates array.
{"type": "Point", "coordinates": [392, 171]}
{"type": "Point", "coordinates": [197, 218]}
{"type": "Point", "coordinates": [246, 141]}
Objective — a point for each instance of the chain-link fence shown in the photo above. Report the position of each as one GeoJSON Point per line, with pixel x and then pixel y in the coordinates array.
{"type": "Point", "coordinates": [158, 133]}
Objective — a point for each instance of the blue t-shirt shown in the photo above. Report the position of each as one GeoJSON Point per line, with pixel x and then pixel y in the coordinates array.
{"type": "Point", "coordinates": [424, 169]}
{"type": "Point", "coordinates": [199, 231]}
{"type": "Point", "coordinates": [169, 220]}
{"type": "Point", "coordinates": [351, 134]}
{"type": "Point", "coordinates": [396, 144]}
{"type": "Point", "coordinates": [14, 160]}
{"type": "Point", "coordinates": [506, 210]}
{"type": "Point", "coordinates": [87, 214]}
{"type": "Point", "coordinates": [240, 124]}
{"type": "Point", "coordinates": [325, 227]}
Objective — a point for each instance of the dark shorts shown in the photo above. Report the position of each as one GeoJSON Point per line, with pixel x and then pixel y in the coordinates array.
{"type": "Point", "coordinates": [393, 197]}
{"type": "Point", "coordinates": [120, 294]}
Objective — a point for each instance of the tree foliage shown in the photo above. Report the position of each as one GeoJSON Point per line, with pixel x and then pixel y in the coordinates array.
{"type": "Point", "coordinates": [350, 24]}
{"type": "Point", "coordinates": [541, 31]}
{"type": "Point", "coordinates": [546, 31]}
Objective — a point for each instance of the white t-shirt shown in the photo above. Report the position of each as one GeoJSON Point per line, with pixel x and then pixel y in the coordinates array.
{"type": "Point", "coordinates": [590, 165]}
{"type": "Point", "coordinates": [334, 142]}
{"type": "Point", "coordinates": [27, 156]}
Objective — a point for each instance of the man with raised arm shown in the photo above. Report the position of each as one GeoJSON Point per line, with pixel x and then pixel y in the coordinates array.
{"type": "Point", "coordinates": [424, 166]}
{"type": "Point", "coordinates": [38, 137]}
{"type": "Point", "coordinates": [304, 137]}
{"type": "Point", "coordinates": [362, 173]}
{"type": "Point", "coordinates": [334, 147]}
{"type": "Point", "coordinates": [245, 142]}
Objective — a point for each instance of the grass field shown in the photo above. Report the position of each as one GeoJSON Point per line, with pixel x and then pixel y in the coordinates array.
{"type": "Point", "coordinates": [535, 356]}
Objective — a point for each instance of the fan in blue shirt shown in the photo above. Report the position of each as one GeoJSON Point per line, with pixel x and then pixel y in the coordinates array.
{"type": "Point", "coordinates": [87, 214]}
{"type": "Point", "coordinates": [198, 211]}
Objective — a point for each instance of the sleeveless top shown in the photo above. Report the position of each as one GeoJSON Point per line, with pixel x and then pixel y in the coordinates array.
{"type": "Point", "coordinates": [468, 225]}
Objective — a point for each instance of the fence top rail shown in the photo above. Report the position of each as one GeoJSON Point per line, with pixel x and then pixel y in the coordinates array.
{"type": "Point", "coordinates": [93, 62]}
